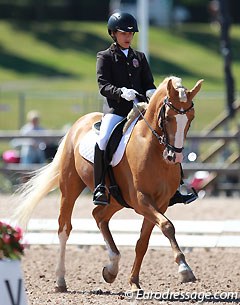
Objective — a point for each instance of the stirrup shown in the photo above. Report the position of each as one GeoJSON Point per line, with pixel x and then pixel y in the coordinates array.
{"type": "Point", "coordinates": [99, 196]}
{"type": "Point", "coordinates": [185, 199]}
{"type": "Point", "coordinates": [190, 197]}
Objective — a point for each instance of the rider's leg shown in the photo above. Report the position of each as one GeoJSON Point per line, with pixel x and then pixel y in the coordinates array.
{"type": "Point", "coordinates": [108, 122]}
{"type": "Point", "coordinates": [99, 196]}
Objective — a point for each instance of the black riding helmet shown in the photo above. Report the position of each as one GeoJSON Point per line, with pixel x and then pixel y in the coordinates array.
{"type": "Point", "coordinates": [122, 22]}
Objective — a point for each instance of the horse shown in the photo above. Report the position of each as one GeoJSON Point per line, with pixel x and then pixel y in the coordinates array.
{"type": "Point", "coordinates": [148, 175]}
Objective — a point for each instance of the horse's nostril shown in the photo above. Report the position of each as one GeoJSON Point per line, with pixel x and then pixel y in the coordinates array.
{"type": "Point", "coordinates": [169, 155]}
{"type": "Point", "coordinates": [170, 158]}
{"type": "Point", "coordinates": [174, 157]}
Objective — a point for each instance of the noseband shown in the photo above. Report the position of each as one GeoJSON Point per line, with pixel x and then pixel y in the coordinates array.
{"type": "Point", "coordinates": [162, 124]}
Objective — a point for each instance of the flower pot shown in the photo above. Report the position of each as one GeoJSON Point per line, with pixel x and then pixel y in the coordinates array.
{"type": "Point", "coordinates": [12, 290]}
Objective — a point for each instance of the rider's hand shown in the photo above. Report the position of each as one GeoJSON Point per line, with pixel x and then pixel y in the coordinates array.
{"type": "Point", "coordinates": [128, 94]}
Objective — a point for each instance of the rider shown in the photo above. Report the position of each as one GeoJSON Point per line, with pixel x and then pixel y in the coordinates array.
{"type": "Point", "coordinates": [122, 73]}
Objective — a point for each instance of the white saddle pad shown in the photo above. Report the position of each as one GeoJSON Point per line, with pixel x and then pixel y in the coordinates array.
{"type": "Point", "coordinates": [87, 145]}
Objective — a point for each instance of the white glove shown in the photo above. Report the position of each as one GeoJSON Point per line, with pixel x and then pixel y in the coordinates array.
{"type": "Point", "coordinates": [128, 94]}
{"type": "Point", "coordinates": [149, 93]}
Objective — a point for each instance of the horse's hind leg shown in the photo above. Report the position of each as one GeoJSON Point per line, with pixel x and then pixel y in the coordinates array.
{"type": "Point", "coordinates": [71, 187]}
{"type": "Point", "coordinates": [141, 248]}
{"type": "Point", "coordinates": [102, 216]}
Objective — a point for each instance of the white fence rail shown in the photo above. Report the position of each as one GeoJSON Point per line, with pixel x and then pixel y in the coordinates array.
{"type": "Point", "coordinates": [225, 169]}
{"type": "Point", "coordinates": [191, 234]}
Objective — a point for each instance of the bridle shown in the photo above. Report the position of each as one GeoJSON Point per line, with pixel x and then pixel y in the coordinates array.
{"type": "Point", "coordinates": [162, 123]}
{"type": "Point", "coordinates": [163, 139]}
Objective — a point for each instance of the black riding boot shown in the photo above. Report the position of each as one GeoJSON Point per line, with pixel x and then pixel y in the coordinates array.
{"type": "Point", "coordinates": [99, 194]}
{"type": "Point", "coordinates": [179, 198]}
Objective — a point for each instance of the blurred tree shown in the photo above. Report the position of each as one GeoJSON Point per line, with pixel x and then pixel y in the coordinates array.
{"type": "Point", "coordinates": [54, 9]}
{"type": "Point", "coordinates": [94, 9]}
{"type": "Point", "coordinates": [199, 9]}
{"type": "Point", "coordinates": [226, 52]}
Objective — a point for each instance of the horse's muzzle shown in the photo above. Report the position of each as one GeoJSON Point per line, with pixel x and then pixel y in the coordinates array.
{"type": "Point", "coordinates": [172, 157]}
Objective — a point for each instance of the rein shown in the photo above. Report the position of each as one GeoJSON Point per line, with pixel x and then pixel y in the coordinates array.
{"type": "Point", "coordinates": [163, 139]}
{"type": "Point", "coordinates": [160, 138]}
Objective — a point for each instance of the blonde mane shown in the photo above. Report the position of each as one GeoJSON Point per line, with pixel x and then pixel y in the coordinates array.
{"type": "Point", "coordinates": [176, 81]}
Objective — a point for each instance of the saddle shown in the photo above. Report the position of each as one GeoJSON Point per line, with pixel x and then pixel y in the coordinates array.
{"type": "Point", "coordinates": [111, 148]}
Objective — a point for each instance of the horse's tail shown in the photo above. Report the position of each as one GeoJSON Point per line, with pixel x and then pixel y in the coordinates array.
{"type": "Point", "coordinates": [36, 188]}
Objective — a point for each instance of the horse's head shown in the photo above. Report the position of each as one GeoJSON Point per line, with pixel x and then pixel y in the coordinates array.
{"type": "Point", "coordinates": [176, 114]}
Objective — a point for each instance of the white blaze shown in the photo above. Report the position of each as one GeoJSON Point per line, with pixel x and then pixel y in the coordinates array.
{"type": "Point", "coordinates": [181, 120]}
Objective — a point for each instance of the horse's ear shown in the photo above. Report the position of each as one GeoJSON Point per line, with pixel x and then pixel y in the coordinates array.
{"type": "Point", "coordinates": [172, 92]}
{"type": "Point", "coordinates": [195, 89]}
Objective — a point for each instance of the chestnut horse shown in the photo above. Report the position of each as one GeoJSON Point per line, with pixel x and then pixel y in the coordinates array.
{"type": "Point", "coordinates": [148, 176]}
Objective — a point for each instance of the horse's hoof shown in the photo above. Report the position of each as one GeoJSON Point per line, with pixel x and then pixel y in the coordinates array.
{"type": "Point", "coordinates": [187, 276]}
{"type": "Point", "coordinates": [108, 277]}
{"type": "Point", "coordinates": [135, 287]}
{"type": "Point", "coordinates": [61, 289]}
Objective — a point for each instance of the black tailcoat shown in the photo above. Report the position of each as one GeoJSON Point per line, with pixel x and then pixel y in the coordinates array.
{"type": "Point", "coordinates": [115, 70]}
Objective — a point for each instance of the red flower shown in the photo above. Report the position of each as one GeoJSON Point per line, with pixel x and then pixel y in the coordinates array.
{"type": "Point", "coordinates": [18, 233]}
{"type": "Point", "coordinates": [10, 242]}
{"type": "Point", "coordinates": [6, 238]}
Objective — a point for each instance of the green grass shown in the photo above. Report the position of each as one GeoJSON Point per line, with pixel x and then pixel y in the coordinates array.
{"type": "Point", "coordinates": [52, 63]}
{"type": "Point", "coordinates": [67, 50]}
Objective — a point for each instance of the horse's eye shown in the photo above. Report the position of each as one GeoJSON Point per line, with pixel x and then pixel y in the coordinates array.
{"type": "Point", "coordinates": [168, 118]}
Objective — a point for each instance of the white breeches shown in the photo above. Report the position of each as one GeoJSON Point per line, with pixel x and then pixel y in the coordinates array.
{"type": "Point", "coordinates": [109, 120]}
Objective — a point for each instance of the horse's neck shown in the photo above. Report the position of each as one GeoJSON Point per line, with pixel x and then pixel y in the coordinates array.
{"type": "Point", "coordinates": [152, 117]}
{"type": "Point", "coordinates": [146, 132]}
{"type": "Point", "coordinates": [145, 156]}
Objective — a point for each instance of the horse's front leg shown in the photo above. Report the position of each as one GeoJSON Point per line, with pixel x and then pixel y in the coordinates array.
{"type": "Point", "coordinates": [140, 250]}
{"type": "Point", "coordinates": [185, 272]}
{"type": "Point", "coordinates": [167, 228]}
{"type": "Point", "coordinates": [102, 216]}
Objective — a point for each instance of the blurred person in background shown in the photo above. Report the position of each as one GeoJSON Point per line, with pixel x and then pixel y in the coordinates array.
{"type": "Point", "coordinates": [31, 150]}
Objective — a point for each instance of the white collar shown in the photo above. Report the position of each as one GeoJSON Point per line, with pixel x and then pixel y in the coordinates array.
{"type": "Point", "coordinates": [125, 52]}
